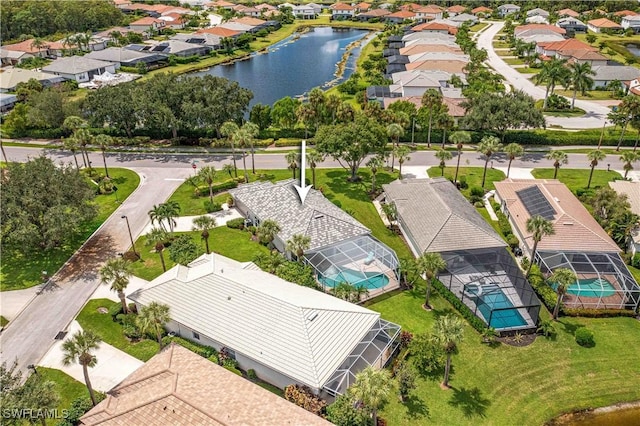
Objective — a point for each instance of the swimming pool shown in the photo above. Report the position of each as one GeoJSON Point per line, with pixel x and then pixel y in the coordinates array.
{"type": "Point", "coordinates": [489, 297]}
{"type": "Point", "coordinates": [592, 287]}
{"type": "Point", "coordinates": [368, 280]}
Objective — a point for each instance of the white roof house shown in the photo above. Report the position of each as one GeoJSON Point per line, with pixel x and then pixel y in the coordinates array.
{"type": "Point", "coordinates": [287, 333]}
{"type": "Point", "coordinates": [506, 9]}
{"type": "Point", "coordinates": [632, 21]}
{"type": "Point", "coordinates": [79, 68]}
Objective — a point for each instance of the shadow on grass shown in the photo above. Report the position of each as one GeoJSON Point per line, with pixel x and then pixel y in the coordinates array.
{"type": "Point", "coordinates": [416, 407]}
{"type": "Point", "coordinates": [570, 328]}
{"type": "Point", "coordinates": [470, 401]}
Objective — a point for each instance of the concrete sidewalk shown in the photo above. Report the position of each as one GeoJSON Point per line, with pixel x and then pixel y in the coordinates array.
{"type": "Point", "coordinates": [185, 223]}
{"type": "Point", "coordinates": [113, 365]}
{"type": "Point", "coordinates": [103, 292]}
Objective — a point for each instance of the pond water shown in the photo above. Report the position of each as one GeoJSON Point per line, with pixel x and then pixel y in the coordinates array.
{"type": "Point", "coordinates": [294, 65]}
{"type": "Point", "coordinates": [634, 49]}
{"type": "Point", "coordinates": [627, 417]}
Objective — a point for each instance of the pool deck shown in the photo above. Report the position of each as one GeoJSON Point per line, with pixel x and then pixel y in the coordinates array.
{"type": "Point", "coordinates": [615, 301]}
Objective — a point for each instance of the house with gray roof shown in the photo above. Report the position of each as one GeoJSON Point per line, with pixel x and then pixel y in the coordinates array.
{"type": "Point", "coordinates": [287, 333]}
{"type": "Point", "coordinates": [120, 56]}
{"type": "Point", "coordinates": [434, 217]}
{"type": "Point", "coordinates": [507, 9]}
{"type": "Point", "coordinates": [341, 248]}
{"type": "Point", "coordinates": [79, 68]}
{"type": "Point", "coordinates": [463, 17]}
{"type": "Point", "coordinates": [211, 40]}
{"type": "Point", "coordinates": [605, 74]}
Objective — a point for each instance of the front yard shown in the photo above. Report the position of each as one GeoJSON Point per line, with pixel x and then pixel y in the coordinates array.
{"type": "Point", "coordinates": [472, 175]}
{"type": "Point", "coordinates": [577, 179]}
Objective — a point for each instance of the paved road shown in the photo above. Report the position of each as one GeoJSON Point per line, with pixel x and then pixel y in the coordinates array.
{"type": "Point", "coordinates": [595, 113]}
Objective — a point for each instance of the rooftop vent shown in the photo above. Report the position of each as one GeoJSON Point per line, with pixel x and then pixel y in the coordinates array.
{"type": "Point", "coordinates": [568, 223]}
{"type": "Point", "coordinates": [318, 216]}
{"type": "Point", "coordinates": [313, 316]}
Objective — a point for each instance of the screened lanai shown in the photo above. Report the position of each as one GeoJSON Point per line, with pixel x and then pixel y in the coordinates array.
{"type": "Point", "coordinates": [359, 261]}
{"type": "Point", "coordinates": [604, 282]}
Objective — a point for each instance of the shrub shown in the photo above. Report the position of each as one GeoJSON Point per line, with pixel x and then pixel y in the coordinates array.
{"type": "Point", "coordinates": [233, 369]}
{"type": "Point", "coordinates": [251, 374]}
{"type": "Point", "coordinates": [214, 359]}
{"type": "Point", "coordinates": [635, 260]}
{"type": "Point", "coordinates": [236, 223]}
{"type": "Point", "coordinates": [599, 313]}
{"type": "Point", "coordinates": [303, 397]}
{"type": "Point", "coordinates": [463, 309]}
{"type": "Point", "coordinates": [463, 182]}
{"type": "Point", "coordinates": [557, 103]}
{"type": "Point", "coordinates": [298, 273]}
{"type": "Point", "coordinates": [230, 363]}
{"type": "Point", "coordinates": [212, 206]}
{"type": "Point", "coordinates": [202, 350]}
{"type": "Point", "coordinates": [78, 408]}
{"type": "Point", "coordinates": [477, 192]}
{"type": "Point", "coordinates": [131, 331]}
{"type": "Point", "coordinates": [478, 204]}
{"type": "Point", "coordinates": [132, 308]}
{"type": "Point", "coordinates": [115, 310]}
{"type": "Point", "coordinates": [513, 241]}
{"type": "Point", "coordinates": [584, 337]}
{"type": "Point", "coordinates": [405, 338]}
{"type": "Point", "coordinates": [547, 295]}
{"type": "Point", "coordinates": [503, 224]}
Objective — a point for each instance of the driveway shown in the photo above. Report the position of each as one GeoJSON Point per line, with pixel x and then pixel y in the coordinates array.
{"type": "Point", "coordinates": [595, 115]}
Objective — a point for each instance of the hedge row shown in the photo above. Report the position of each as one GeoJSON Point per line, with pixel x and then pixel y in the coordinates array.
{"type": "Point", "coordinates": [219, 187]}
{"type": "Point", "coordinates": [561, 138]}
{"type": "Point", "coordinates": [463, 309]}
{"type": "Point", "coordinates": [225, 143]}
{"type": "Point", "coordinates": [599, 313]}
{"type": "Point", "coordinates": [202, 350]}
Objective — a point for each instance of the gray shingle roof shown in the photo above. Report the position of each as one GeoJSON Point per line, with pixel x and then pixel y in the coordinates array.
{"type": "Point", "coordinates": [615, 72]}
{"type": "Point", "coordinates": [320, 219]}
{"type": "Point", "coordinates": [438, 218]}
{"type": "Point", "coordinates": [75, 65]}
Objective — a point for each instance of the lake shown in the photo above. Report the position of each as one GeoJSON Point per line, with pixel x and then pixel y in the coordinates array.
{"type": "Point", "coordinates": [624, 417]}
{"type": "Point", "coordinates": [634, 49]}
{"type": "Point", "coordinates": [294, 65]}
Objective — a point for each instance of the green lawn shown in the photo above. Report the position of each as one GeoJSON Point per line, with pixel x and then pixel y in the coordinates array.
{"type": "Point", "coordinates": [494, 223]}
{"type": "Point", "coordinates": [500, 44]}
{"type": "Point", "coordinates": [577, 178]}
{"type": "Point", "coordinates": [232, 243]}
{"type": "Point", "coordinates": [592, 95]}
{"type": "Point", "coordinates": [111, 332]}
{"type": "Point", "coordinates": [477, 27]}
{"type": "Point", "coordinates": [68, 387]}
{"type": "Point", "coordinates": [513, 61]}
{"type": "Point", "coordinates": [472, 174]}
{"type": "Point", "coordinates": [20, 270]}
{"type": "Point", "coordinates": [511, 386]}
{"type": "Point", "coordinates": [3, 321]}
{"type": "Point", "coordinates": [635, 272]}
{"type": "Point", "coordinates": [528, 70]}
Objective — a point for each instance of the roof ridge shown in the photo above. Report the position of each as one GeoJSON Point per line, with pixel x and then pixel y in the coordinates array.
{"type": "Point", "coordinates": [444, 223]}
{"type": "Point", "coordinates": [492, 234]}
{"type": "Point", "coordinates": [306, 323]}
{"type": "Point", "coordinates": [582, 225]}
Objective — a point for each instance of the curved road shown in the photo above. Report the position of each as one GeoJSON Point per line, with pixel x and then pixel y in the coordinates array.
{"type": "Point", "coordinates": [595, 113]}
{"type": "Point", "coordinates": [32, 332]}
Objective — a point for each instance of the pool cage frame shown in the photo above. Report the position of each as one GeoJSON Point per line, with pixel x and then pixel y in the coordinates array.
{"type": "Point", "coordinates": [601, 265]}
{"type": "Point", "coordinates": [353, 251]}
{"type": "Point", "coordinates": [467, 268]}
{"type": "Point", "coordinates": [382, 341]}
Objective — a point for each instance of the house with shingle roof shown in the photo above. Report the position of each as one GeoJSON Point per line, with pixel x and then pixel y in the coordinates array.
{"type": "Point", "coordinates": [10, 77]}
{"type": "Point", "coordinates": [572, 24]}
{"type": "Point", "coordinates": [120, 56]}
{"type": "Point", "coordinates": [373, 14]}
{"type": "Point", "coordinates": [179, 387]}
{"type": "Point", "coordinates": [79, 68]}
{"type": "Point", "coordinates": [631, 21]}
{"type": "Point", "coordinates": [605, 74]}
{"type": "Point", "coordinates": [508, 9]}
{"type": "Point", "coordinates": [400, 16]}
{"type": "Point", "coordinates": [285, 332]}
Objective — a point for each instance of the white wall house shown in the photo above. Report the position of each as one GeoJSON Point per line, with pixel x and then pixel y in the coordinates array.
{"type": "Point", "coordinates": [79, 68]}
{"type": "Point", "coordinates": [507, 9]}
{"type": "Point", "coordinates": [632, 22]}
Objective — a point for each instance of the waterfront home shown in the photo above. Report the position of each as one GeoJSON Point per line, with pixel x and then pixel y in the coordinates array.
{"type": "Point", "coordinates": [632, 191]}
{"type": "Point", "coordinates": [206, 39]}
{"type": "Point", "coordinates": [373, 14]}
{"type": "Point", "coordinates": [598, 25]}
{"type": "Point", "coordinates": [579, 243]}
{"type": "Point", "coordinates": [304, 11]}
{"type": "Point", "coordinates": [148, 24]}
{"type": "Point", "coordinates": [400, 16]}
{"type": "Point", "coordinates": [177, 48]}
{"type": "Point", "coordinates": [415, 49]}
{"type": "Point", "coordinates": [220, 32]}
{"type": "Point", "coordinates": [435, 27]}
{"type": "Point", "coordinates": [452, 66]}
{"type": "Point", "coordinates": [631, 22]}
{"type": "Point", "coordinates": [10, 77]}
{"type": "Point", "coordinates": [508, 9]}
{"type": "Point", "coordinates": [79, 68]}
{"type": "Point", "coordinates": [287, 333]}
{"type": "Point", "coordinates": [342, 11]}
{"type": "Point", "coordinates": [179, 387]}
{"type": "Point", "coordinates": [120, 56]}
{"type": "Point", "coordinates": [550, 49]}
{"type": "Point", "coordinates": [568, 13]}
{"type": "Point", "coordinates": [572, 24]}
{"type": "Point", "coordinates": [417, 82]}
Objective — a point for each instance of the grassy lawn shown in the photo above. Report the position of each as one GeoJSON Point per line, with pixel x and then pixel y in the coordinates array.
{"type": "Point", "coordinates": [68, 387]}
{"type": "Point", "coordinates": [3, 321]}
{"type": "Point", "coordinates": [472, 174]}
{"type": "Point", "coordinates": [508, 385]}
{"type": "Point", "coordinates": [577, 178]}
{"type": "Point", "coordinates": [111, 332]}
{"type": "Point", "coordinates": [635, 272]}
{"type": "Point", "coordinates": [513, 61]}
{"type": "Point", "coordinates": [22, 270]}
{"type": "Point", "coordinates": [232, 243]}
{"type": "Point", "coordinates": [477, 27]}
{"type": "Point", "coordinates": [527, 70]}
{"type": "Point", "coordinates": [504, 52]}
{"type": "Point", "coordinates": [591, 95]}
{"type": "Point", "coordinates": [500, 44]}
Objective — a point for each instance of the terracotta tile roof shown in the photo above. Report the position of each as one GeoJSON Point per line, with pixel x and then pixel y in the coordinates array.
{"type": "Point", "coordinates": [410, 6]}
{"type": "Point", "coordinates": [481, 9]}
{"type": "Point", "coordinates": [220, 3]}
{"type": "Point", "coordinates": [585, 55]}
{"type": "Point", "coordinates": [178, 387]}
{"type": "Point", "coordinates": [603, 23]}
{"type": "Point", "coordinates": [456, 9]}
{"type": "Point", "coordinates": [415, 49]}
{"type": "Point", "coordinates": [266, 6]}
{"type": "Point", "coordinates": [450, 66]}
{"type": "Point", "coordinates": [342, 6]}
{"type": "Point", "coordinates": [568, 12]}
{"type": "Point", "coordinates": [405, 14]}
{"type": "Point", "coordinates": [631, 190]}
{"type": "Point", "coordinates": [625, 13]}
{"type": "Point", "coordinates": [548, 27]}
{"type": "Point", "coordinates": [24, 46]}
{"type": "Point", "coordinates": [429, 9]}
{"type": "Point", "coordinates": [147, 21]}
{"type": "Point", "coordinates": [247, 20]}
{"type": "Point", "coordinates": [432, 26]}
{"type": "Point", "coordinates": [363, 6]}
{"type": "Point", "coordinates": [219, 31]}
{"type": "Point", "coordinates": [576, 229]}
{"type": "Point", "coordinates": [568, 44]}
{"type": "Point", "coordinates": [376, 13]}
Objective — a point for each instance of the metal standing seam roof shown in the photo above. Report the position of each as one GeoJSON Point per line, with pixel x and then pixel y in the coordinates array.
{"type": "Point", "coordinates": [300, 332]}
{"type": "Point", "coordinates": [438, 217]}
{"type": "Point", "coordinates": [320, 219]}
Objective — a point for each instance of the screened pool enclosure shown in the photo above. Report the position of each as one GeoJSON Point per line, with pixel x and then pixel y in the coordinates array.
{"type": "Point", "coordinates": [604, 282]}
{"type": "Point", "coordinates": [360, 261]}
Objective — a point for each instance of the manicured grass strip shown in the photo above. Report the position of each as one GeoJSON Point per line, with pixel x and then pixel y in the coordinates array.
{"type": "Point", "coordinates": [111, 332]}
{"type": "Point", "coordinates": [22, 270]}
{"type": "Point", "coordinates": [577, 178]}
{"type": "Point", "coordinates": [3, 321]}
{"type": "Point", "coordinates": [635, 272]}
{"type": "Point", "coordinates": [68, 387]}
{"type": "Point", "coordinates": [513, 61]}
{"type": "Point", "coordinates": [473, 175]}
{"type": "Point", "coordinates": [508, 385]}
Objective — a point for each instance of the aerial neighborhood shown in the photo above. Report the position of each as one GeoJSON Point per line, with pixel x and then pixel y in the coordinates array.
{"type": "Point", "coordinates": [375, 213]}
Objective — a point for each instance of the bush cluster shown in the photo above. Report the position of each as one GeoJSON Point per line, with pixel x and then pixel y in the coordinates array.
{"type": "Point", "coordinates": [303, 397]}
{"type": "Point", "coordinates": [599, 313]}
{"type": "Point", "coordinates": [236, 223]}
{"type": "Point", "coordinates": [202, 350]}
{"type": "Point", "coordinates": [584, 337]}
{"type": "Point", "coordinates": [212, 206]}
{"type": "Point", "coordinates": [225, 143]}
{"type": "Point", "coordinates": [585, 137]}
{"type": "Point", "coordinates": [463, 309]}
{"type": "Point", "coordinates": [546, 294]}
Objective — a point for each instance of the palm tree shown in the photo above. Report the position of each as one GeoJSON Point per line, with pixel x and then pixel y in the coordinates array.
{"type": "Point", "coordinates": [267, 231]}
{"type": "Point", "coordinates": [563, 278]}
{"type": "Point", "coordinates": [580, 79]}
{"type": "Point", "coordinates": [448, 332]}
{"type": "Point", "coordinates": [390, 211]}
{"type": "Point", "coordinates": [313, 158]}
{"type": "Point", "coordinates": [402, 152]}
{"type": "Point", "coordinates": [204, 224]}
{"type": "Point", "coordinates": [372, 389]}
{"type": "Point", "coordinates": [78, 349]}
{"type": "Point", "coordinates": [488, 146]}
{"type": "Point", "coordinates": [431, 99]}
{"type": "Point", "coordinates": [116, 272]}
{"type": "Point", "coordinates": [395, 132]}
{"type": "Point", "coordinates": [628, 158]}
{"type": "Point", "coordinates": [553, 72]}
{"type": "Point", "coordinates": [297, 245]}
{"type": "Point", "coordinates": [629, 108]}
{"type": "Point", "coordinates": [243, 138]}
{"type": "Point", "coordinates": [538, 227]}
{"type": "Point", "coordinates": [84, 138]}
{"type": "Point", "coordinates": [459, 138]}
{"type": "Point", "coordinates": [156, 214]}
{"type": "Point", "coordinates": [252, 130]}
{"type": "Point", "coordinates": [292, 161]}
{"type": "Point", "coordinates": [374, 164]}
{"type": "Point", "coordinates": [443, 155]}
{"type": "Point", "coordinates": [594, 156]}
{"type": "Point", "coordinates": [157, 237]}
{"type": "Point", "coordinates": [430, 264]}
{"type": "Point", "coordinates": [559, 158]}
{"type": "Point", "coordinates": [208, 176]}
{"type": "Point", "coordinates": [229, 168]}
{"type": "Point", "coordinates": [513, 151]}
{"type": "Point", "coordinates": [71, 144]}
{"type": "Point", "coordinates": [152, 319]}
{"type": "Point", "coordinates": [170, 211]}
{"type": "Point", "coordinates": [38, 43]}
{"type": "Point", "coordinates": [104, 141]}
{"type": "Point", "coordinates": [228, 129]}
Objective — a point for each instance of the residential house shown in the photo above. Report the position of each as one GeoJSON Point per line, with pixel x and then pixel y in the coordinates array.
{"type": "Point", "coordinates": [26, 47]}
{"type": "Point", "coordinates": [632, 191]}
{"type": "Point", "coordinates": [363, 7]}
{"type": "Point", "coordinates": [578, 243]}
{"type": "Point", "coordinates": [178, 48]}
{"type": "Point", "coordinates": [549, 49]}
{"type": "Point", "coordinates": [464, 17]}
{"type": "Point", "coordinates": [10, 77]}
{"type": "Point", "coordinates": [508, 9]}
{"type": "Point", "coordinates": [179, 387]}
{"type": "Point", "coordinates": [434, 27]}
{"type": "Point", "coordinates": [537, 19]}
{"type": "Point", "coordinates": [13, 57]}
{"type": "Point", "coordinates": [435, 218]}
{"type": "Point", "coordinates": [236, 26]}
{"type": "Point", "coordinates": [342, 11]}
{"type": "Point", "coordinates": [482, 11]}
{"type": "Point", "coordinates": [220, 4]}
{"type": "Point", "coordinates": [451, 66]}
{"type": "Point", "coordinates": [378, 14]}
{"type": "Point", "coordinates": [79, 68]}
{"type": "Point", "coordinates": [428, 38]}
{"type": "Point", "coordinates": [415, 83]}
{"type": "Point", "coordinates": [568, 13]}
{"type": "Point", "coordinates": [538, 27]}
{"type": "Point", "coordinates": [623, 13]}
{"type": "Point", "coordinates": [631, 22]}
{"type": "Point", "coordinates": [594, 58]}
{"type": "Point", "coordinates": [148, 24]}
{"type": "Point", "coordinates": [428, 13]}
{"type": "Point", "coordinates": [304, 12]}
{"type": "Point", "coordinates": [264, 7]}
{"type": "Point", "coordinates": [605, 74]}
{"type": "Point", "coordinates": [411, 7]}
{"type": "Point", "coordinates": [173, 21]}
{"type": "Point", "coordinates": [539, 33]}
{"type": "Point", "coordinates": [416, 49]}
{"type": "Point", "coordinates": [537, 12]}
{"type": "Point", "coordinates": [71, 45]}
{"type": "Point", "coordinates": [571, 24]}
{"type": "Point", "coordinates": [456, 10]}
{"type": "Point", "coordinates": [400, 17]}
{"type": "Point", "coordinates": [602, 24]}
{"type": "Point", "coordinates": [442, 56]}
{"type": "Point", "coordinates": [7, 102]}
{"type": "Point", "coordinates": [247, 10]}
{"type": "Point", "coordinates": [220, 32]}
{"type": "Point", "coordinates": [120, 56]}
{"type": "Point", "coordinates": [212, 41]}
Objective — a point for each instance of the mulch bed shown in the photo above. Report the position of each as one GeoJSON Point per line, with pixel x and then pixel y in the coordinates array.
{"type": "Point", "coordinates": [521, 341]}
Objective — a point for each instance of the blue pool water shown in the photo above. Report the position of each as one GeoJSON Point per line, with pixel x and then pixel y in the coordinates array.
{"type": "Point", "coordinates": [591, 287]}
{"type": "Point", "coordinates": [369, 280]}
{"type": "Point", "coordinates": [492, 297]}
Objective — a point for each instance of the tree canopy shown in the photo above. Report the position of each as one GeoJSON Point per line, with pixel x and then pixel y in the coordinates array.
{"type": "Point", "coordinates": [43, 205]}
